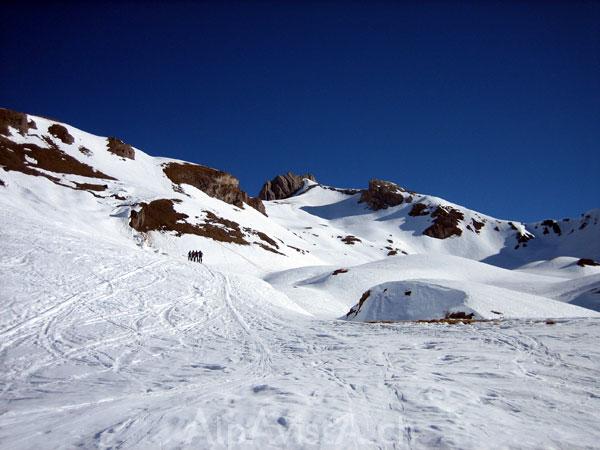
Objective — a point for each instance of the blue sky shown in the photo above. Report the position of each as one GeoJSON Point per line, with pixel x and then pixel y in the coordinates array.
{"type": "Point", "coordinates": [493, 105]}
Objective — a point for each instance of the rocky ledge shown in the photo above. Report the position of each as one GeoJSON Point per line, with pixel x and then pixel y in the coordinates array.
{"type": "Point", "coordinates": [384, 194]}
{"type": "Point", "coordinates": [213, 182]}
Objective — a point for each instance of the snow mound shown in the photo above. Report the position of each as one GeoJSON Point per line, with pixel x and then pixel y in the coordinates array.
{"type": "Point", "coordinates": [441, 299]}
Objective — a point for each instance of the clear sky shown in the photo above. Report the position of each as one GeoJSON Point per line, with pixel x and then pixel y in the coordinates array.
{"type": "Point", "coordinates": [495, 106]}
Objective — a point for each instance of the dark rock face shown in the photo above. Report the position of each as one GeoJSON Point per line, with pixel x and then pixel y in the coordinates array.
{"type": "Point", "coordinates": [477, 225]}
{"type": "Point", "coordinates": [356, 309]}
{"type": "Point", "coordinates": [445, 223]}
{"type": "Point", "coordinates": [160, 215]}
{"type": "Point", "coordinates": [119, 148]}
{"type": "Point", "coordinates": [13, 119]}
{"type": "Point", "coordinates": [549, 223]}
{"type": "Point", "coordinates": [522, 238]}
{"type": "Point", "coordinates": [60, 132]}
{"type": "Point", "coordinates": [15, 157]}
{"type": "Point", "coordinates": [382, 194]}
{"type": "Point", "coordinates": [587, 262]}
{"type": "Point", "coordinates": [213, 182]}
{"type": "Point", "coordinates": [418, 209]}
{"type": "Point", "coordinates": [459, 315]}
{"type": "Point", "coordinates": [283, 186]}
{"type": "Point", "coordinates": [349, 240]}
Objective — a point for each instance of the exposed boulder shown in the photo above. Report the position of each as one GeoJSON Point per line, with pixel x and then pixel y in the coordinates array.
{"type": "Point", "coordinates": [349, 239]}
{"type": "Point", "coordinates": [477, 225]}
{"type": "Point", "coordinates": [60, 132]}
{"type": "Point", "coordinates": [120, 148]}
{"type": "Point", "coordinates": [16, 120]}
{"type": "Point", "coordinates": [383, 194]}
{"type": "Point", "coordinates": [283, 186]}
{"type": "Point", "coordinates": [445, 223]}
{"type": "Point", "coordinates": [587, 262]}
{"type": "Point", "coordinates": [213, 182]}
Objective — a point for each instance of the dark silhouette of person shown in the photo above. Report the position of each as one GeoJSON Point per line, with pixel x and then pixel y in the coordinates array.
{"type": "Point", "coordinates": [200, 255]}
{"type": "Point", "coordinates": [190, 255]}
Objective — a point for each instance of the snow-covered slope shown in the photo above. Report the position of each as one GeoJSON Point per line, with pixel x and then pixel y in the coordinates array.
{"type": "Point", "coordinates": [76, 180]}
{"type": "Point", "coordinates": [110, 346]}
{"type": "Point", "coordinates": [323, 213]}
{"type": "Point", "coordinates": [92, 182]}
{"type": "Point", "coordinates": [111, 338]}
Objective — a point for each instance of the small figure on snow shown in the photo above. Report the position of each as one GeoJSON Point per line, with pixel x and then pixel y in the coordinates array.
{"type": "Point", "coordinates": [195, 255]}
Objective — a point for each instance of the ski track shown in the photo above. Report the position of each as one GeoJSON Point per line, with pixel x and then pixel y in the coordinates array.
{"type": "Point", "coordinates": [137, 350]}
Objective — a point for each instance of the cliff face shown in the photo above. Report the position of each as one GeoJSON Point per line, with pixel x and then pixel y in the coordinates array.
{"type": "Point", "coordinates": [283, 186]}
{"type": "Point", "coordinates": [215, 183]}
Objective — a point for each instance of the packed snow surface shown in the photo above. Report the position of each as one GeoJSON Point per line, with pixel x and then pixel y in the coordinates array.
{"type": "Point", "coordinates": [111, 338]}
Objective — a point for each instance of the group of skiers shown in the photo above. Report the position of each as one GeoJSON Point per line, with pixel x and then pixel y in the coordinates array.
{"type": "Point", "coordinates": [195, 255]}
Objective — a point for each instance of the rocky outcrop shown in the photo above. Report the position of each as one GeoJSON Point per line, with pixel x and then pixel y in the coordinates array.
{"type": "Point", "coordinates": [120, 148]}
{"type": "Point", "coordinates": [213, 182]}
{"type": "Point", "coordinates": [477, 225]}
{"type": "Point", "coordinates": [551, 224]}
{"type": "Point", "coordinates": [587, 262]}
{"type": "Point", "coordinates": [16, 120]}
{"type": "Point", "coordinates": [60, 132]}
{"type": "Point", "coordinates": [160, 215]}
{"type": "Point", "coordinates": [383, 194]}
{"type": "Point", "coordinates": [445, 223]}
{"type": "Point", "coordinates": [31, 159]}
{"type": "Point", "coordinates": [356, 308]}
{"type": "Point", "coordinates": [349, 239]}
{"type": "Point", "coordinates": [418, 209]}
{"type": "Point", "coordinates": [283, 186]}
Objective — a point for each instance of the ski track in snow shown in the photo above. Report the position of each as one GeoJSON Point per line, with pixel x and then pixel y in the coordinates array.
{"type": "Point", "coordinates": [126, 348]}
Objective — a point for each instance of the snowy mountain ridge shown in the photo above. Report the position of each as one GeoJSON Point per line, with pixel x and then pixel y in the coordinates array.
{"type": "Point", "coordinates": [175, 206]}
{"type": "Point", "coordinates": [115, 191]}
